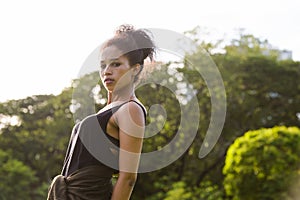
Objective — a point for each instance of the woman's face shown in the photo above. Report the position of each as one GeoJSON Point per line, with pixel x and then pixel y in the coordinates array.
{"type": "Point", "coordinates": [115, 70]}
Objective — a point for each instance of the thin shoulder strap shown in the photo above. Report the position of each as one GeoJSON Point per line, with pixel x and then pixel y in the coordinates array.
{"type": "Point", "coordinates": [143, 108]}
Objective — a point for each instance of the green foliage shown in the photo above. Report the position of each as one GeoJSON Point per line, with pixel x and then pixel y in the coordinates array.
{"type": "Point", "coordinates": [208, 191]}
{"type": "Point", "coordinates": [16, 179]}
{"type": "Point", "coordinates": [178, 192]}
{"type": "Point", "coordinates": [39, 140]}
{"type": "Point", "coordinates": [248, 45]}
{"type": "Point", "coordinates": [182, 191]}
{"type": "Point", "coordinates": [256, 164]}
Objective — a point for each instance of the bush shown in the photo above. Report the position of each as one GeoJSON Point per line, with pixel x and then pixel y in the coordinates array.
{"type": "Point", "coordinates": [263, 164]}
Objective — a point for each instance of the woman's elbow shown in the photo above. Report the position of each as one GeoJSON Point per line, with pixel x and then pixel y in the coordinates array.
{"type": "Point", "coordinates": [128, 178]}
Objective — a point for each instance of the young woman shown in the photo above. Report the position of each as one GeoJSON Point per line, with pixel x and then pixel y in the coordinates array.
{"type": "Point", "coordinates": [86, 175]}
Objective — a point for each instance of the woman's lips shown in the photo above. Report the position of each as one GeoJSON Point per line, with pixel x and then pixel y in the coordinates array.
{"type": "Point", "coordinates": [108, 80]}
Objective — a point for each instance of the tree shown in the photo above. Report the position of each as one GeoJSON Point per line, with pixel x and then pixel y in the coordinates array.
{"type": "Point", "coordinates": [263, 164]}
{"type": "Point", "coordinates": [257, 96]}
{"type": "Point", "coordinates": [39, 141]}
{"type": "Point", "coordinates": [16, 179]}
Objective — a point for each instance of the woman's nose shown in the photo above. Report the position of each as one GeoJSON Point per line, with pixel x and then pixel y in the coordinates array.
{"type": "Point", "coordinates": [107, 70]}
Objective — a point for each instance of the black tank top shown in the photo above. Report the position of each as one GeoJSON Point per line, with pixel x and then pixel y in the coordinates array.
{"type": "Point", "coordinates": [82, 155]}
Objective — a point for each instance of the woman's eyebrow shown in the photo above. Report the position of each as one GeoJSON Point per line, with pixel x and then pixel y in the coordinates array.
{"type": "Point", "coordinates": [109, 60]}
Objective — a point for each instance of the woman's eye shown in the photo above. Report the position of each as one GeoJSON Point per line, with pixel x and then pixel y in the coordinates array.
{"type": "Point", "coordinates": [102, 66]}
{"type": "Point", "coordinates": [115, 64]}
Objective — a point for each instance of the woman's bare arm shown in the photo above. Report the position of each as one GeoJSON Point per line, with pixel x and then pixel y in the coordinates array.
{"type": "Point", "coordinates": [131, 122]}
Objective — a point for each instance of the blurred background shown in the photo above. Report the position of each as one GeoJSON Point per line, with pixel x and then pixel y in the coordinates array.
{"type": "Point", "coordinates": [254, 44]}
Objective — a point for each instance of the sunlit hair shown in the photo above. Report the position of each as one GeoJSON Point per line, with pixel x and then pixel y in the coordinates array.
{"type": "Point", "coordinates": [136, 45]}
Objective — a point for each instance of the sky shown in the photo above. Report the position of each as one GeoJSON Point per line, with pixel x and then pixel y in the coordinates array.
{"type": "Point", "coordinates": [43, 44]}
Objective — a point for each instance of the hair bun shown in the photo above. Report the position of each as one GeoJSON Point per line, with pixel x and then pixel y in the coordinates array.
{"type": "Point", "coordinates": [124, 28]}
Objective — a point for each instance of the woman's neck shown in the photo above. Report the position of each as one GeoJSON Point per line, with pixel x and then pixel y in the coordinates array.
{"type": "Point", "coordinates": [125, 94]}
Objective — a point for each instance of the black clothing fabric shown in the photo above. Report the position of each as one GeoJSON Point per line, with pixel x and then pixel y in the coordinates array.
{"type": "Point", "coordinates": [88, 183]}
{"type": "Point", "coordinates": [91, 160]}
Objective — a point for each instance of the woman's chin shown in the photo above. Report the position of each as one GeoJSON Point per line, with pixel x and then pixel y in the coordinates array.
{"type": "Point", "coordinates": [118, 88]}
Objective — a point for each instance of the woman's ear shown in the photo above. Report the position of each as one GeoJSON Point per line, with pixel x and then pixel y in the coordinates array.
{"type": "Point", "coordinates": [136, 69]}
